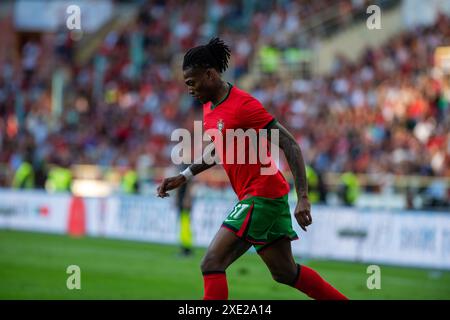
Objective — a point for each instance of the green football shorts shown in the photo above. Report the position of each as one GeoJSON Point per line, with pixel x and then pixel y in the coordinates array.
{"type": "Point", "coordinates": [261, 221]}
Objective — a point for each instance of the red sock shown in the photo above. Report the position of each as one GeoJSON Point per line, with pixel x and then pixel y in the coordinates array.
{"type": "Point", "coordinates": [313, 285]}
{"type": "Point", "coordinates": [215, 285]}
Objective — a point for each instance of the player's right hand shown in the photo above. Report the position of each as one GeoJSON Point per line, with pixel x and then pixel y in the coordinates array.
{"type": "Point", "coordinates": [169, 184]}
{"type": "Point", "coordinates": [303, 212]}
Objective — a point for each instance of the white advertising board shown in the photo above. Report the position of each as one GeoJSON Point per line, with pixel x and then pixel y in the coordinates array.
{"type": "Point", "coordinates": [420, 239]}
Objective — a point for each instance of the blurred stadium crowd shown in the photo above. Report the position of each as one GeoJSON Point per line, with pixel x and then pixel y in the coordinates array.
{"type": "Point", "coordinates": [387, 113]}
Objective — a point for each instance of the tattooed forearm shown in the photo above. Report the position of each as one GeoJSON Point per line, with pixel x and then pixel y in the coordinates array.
{"type": "Point", "coordinates": [294, 158]}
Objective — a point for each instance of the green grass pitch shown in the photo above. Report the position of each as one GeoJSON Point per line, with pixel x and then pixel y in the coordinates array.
{"type": "Point", "coordinates": [33, 266]}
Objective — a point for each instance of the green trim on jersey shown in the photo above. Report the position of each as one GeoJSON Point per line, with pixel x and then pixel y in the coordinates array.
{"type": "Point", "coordinates": [213, 106]}
{"type": "Point", "coordinates": [261, 221]}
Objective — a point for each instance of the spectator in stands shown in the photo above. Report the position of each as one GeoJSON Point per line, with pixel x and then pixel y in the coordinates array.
{"type": "Point", "coordinates": [387, 112]}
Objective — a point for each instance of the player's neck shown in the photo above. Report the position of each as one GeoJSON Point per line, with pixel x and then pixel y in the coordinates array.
{"type": "Point", "coordinates": [222, 92]}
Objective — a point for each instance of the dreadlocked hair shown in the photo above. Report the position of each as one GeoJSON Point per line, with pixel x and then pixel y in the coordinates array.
{"type": "Point", "coordinates": [215, 55]}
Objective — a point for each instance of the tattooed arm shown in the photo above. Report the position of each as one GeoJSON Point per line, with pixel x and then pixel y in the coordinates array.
{"type": "Point", "coordinates": [294, 157]}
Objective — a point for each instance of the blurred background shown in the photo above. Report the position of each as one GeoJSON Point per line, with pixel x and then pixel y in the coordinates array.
{"type": "Point", "coordinates": [86, 118]}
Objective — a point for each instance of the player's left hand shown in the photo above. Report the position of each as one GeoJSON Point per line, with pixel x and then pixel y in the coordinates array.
{"type": "Point", "coordinates": [303, 212]}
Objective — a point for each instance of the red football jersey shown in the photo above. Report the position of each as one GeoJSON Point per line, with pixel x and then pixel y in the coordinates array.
{"type": "Point", "coordinates": [239, 110]}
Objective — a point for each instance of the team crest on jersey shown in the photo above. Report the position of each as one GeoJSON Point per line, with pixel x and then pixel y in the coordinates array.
{"type": "Point", "coordinates": [220, 124]}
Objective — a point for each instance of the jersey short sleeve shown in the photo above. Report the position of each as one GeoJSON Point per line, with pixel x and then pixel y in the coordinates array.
{"type": "Point", "coordinates": [252, 114]}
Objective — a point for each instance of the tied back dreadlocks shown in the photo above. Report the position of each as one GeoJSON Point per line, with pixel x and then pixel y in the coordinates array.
{"type": "Point", "coordinates": [215, 55]}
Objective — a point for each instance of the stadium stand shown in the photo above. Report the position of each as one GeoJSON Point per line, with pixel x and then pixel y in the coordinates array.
{"type": "Point", "coordinates": [384, 114]}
